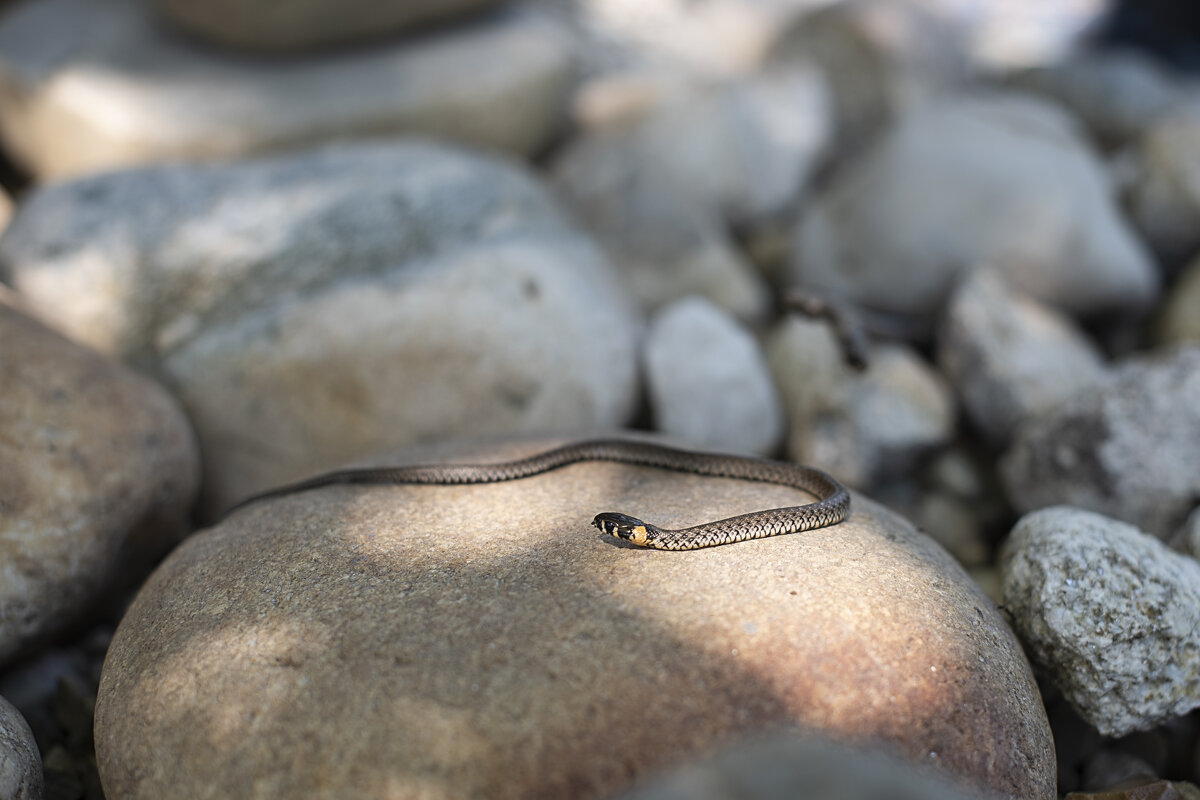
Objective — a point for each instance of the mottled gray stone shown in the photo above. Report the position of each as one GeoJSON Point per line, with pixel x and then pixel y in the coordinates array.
{"type": "Point", "coordinates": [708, 382]}
{"type": "Point", "coordinates": [793, 767]}
{"type": "Point", "coordinates": [301, 24]}
{"type": "Point", "coordinates": [859, 426]}
{"type": "Point", "coordinates": [20, 762]}
{"type": "Point", "coordinates": [99, 474]}
{"type": "Point", "coordinates": [317, 307]}
{"type": "Point", "coordinates": [1111, 614]}
{"type": "Point", "coordinates": [1009, 357]}
{"type": "Point", "coordinates": [997, 179]}
{"type": "Point", "coordinates": [87, 85]}
{"type": "Point", "coordinates": [1127, 448]}
{"type": "Point", "coordinates": [469, 641]}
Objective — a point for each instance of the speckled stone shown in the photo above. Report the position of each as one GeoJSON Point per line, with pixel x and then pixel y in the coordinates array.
{"type": "Point", "coordinates": [449, 642]}
{"type": "Point", "coordinates": [99, 471]}
{"type": "Point", "coordinates": [20, 762]}
{"type": "Point", "coordinates": [1096, 600]}
{"type": "Point", "coordinates": [1126, 448]}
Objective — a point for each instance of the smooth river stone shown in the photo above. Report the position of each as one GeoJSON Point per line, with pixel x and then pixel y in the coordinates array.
{"type": "Point", "coordinates": [472, 641]}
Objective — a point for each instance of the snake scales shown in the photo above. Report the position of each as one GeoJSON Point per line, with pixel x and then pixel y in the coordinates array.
{"type": "Point", "coordinates": [832, 506]}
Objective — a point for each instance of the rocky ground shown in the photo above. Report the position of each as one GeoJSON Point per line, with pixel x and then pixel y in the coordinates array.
{"type": "Point", "coordinates": [949, 254]}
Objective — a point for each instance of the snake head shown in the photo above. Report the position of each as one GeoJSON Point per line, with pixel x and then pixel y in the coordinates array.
{"type": "Point", "coordinates": [624, 527]}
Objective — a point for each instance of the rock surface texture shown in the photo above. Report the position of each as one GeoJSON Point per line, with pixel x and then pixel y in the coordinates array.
{"type": "Point", "coordinates": [708, 382]}
{"type": "Point", "coordinates": [1127, 448]}
{"type": "Point", "coordinates": [1002, 180]}
{"type": "Point", "coordinates": [307, 24]}
{"type": "Point", "coordinates": [20, 762]}
{"type": "Point", "coordinates": [100, 470]}
{"type": "Point", "coordinates": [1111, 613]}
{"type": "Point", "coordinates": [448, 642]}
{"type": "Point", "coordinates": [1010, 357]}
{"type": "Point", "coordinates": [87, 85]}
{"type": "Point", "coordinates": [314, 308]}
{"type": "Point", "coordinates": [1164, 200]}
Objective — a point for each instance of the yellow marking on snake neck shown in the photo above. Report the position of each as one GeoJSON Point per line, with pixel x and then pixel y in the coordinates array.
{"type": "Point", "coordinates": [639, 536]}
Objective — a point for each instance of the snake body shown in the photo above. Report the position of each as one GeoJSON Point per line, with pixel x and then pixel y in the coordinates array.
{"type": "Point", "coordinates": [832, 506]}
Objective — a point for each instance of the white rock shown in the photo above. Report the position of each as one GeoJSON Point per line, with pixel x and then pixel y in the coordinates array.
{"type": "Point", "coordinates": [93, 84]}
{"type": "Point", "coordinates": [20, 762]}
{"type": "Point", "coordinates": [318, 307]}
{"type": "Point", "coordinates": [708, 382]}
{"type": "Point", "coordinates": [1164, 200]}
{"type": "Point", "coordinates": [1187, 538]}
{"type": "Point", "coordinates": [999, 179]}
{"type": "Point", "coordinates": [861, 427]}
{"type": "Point", "coordinates": [1110, 613]}
{"type": "Point", "coordinates": [1126, 448]}
{"type": "Point", "coordinates": [308, 23]}
{"type": "Point", "coordinates": [1009, 357]}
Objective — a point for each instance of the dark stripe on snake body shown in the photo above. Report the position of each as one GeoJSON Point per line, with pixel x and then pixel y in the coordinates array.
{"type": "Point", "coordinates": [832, 505]}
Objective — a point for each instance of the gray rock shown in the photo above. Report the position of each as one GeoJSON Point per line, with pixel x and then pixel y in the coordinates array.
{"type": "Point", "coordinates": [20, 762]}
{"type": "Point", "coordinates": [1180, 317]}
{"type": "Point", "coordinates": [883, 60]}
{"type": "Point", "coordinates": [482, 640]}
{"type": "Point", "coordinates": [93, 84]}
{"type": "Point", "coordinates": [788, 767]}
{"type": "Point", "coordinates": [661, 192]}
{"type": "Point", "coordinates": [100, 471]}
{"type": "Point", "coordinates": [1009, 357]}
{"type": "Point", "coordinates": [1164, 198]}
{"type": "Point", "coordinates": [1117, 94]}
{"type": "Point", "coordinates": [307, 24]}
{"type": "Point", "coordinates": [861, 427]}
{"type": "Point", "coordinates": [1127, 448]}
{"type": "Point", "coordinates": [993, 179]}
{"type": "Point", "coordinates": [315, 308]}
{"type": "Point", "coordinates": [1096, 601]}
{"type": "Point", "coordinates": [708, 382]}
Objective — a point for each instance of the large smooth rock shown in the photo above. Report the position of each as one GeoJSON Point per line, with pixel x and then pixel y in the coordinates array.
{"type": "Point", "coordinates": [322, 306]}
{"type": "Point", "coordinates": [993, 179]}
{"type": "Point", "coordinates": [87, 85]}
{"type": "Point", "coordinates": [1010, 357]}
{"type": "Point", "coordinates": [708, 381]}
{"type": "Point", "coordinates": [1095, 601]}
{"type": "Point", "coordinates": [862, 427]}
{"type": "Point", "coordinates": [308, 24]}
{"type": "Point", "coordinates": [100, 470]}
{"type": "Point", "coordinates": [448, 642]}
{"type": "Point", "coordinates": [1127, 448]}
{"type": "Point", "coordinates": [20, 762]}
{"type": "Point", "coordinates": [790, 767]}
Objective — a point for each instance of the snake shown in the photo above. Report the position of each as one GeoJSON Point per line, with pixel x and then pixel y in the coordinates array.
{"type": "Point", "coordinates": [831, 507]}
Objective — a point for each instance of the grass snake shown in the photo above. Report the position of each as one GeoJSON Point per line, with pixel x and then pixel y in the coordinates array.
{"type": "Point", "coordinates": [832, 505]}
